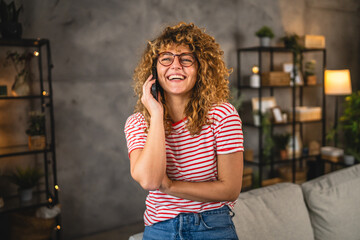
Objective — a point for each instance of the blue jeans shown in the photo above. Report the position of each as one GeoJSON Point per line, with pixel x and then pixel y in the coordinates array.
{"type": "Point", "coordinates": [210, 225]}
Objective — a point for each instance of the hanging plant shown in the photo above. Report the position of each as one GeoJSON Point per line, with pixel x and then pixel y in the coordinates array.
{"type": "Point", "coordinates": [291, 42]}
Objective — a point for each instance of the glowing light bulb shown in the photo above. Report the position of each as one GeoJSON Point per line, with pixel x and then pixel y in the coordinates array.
{"type": "Point", "coordinates": [36, 53]}
{"type": "Point", "coordinates": [255, 69]}
{"type": "Point", "coordinates": [255, 78]}
{"type": "Point", "coordinates": [58, 227]}
{"type": "Point", "coordinates": [45, 93]}
{"type": "Point", "coordinates": [50, 200]}
{"type": "Point", "coordinates": [57, 187]}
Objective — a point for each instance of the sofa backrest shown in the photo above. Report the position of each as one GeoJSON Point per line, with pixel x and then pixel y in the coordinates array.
{"type": "Point", "coordinates": [334, 204]}
{"type": "Point", "coordinates": [276, 212]}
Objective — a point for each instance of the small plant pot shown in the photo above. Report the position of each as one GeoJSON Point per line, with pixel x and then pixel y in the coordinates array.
{"type": "Point", "coordinates": [26, 194]}
{"type": "Point", "coordinates": [283, 154]}
{"type": "Point", "coordinates": [37, 142]}
{"type": "Point", "coordinates": [349, 160]}
{"type": "Point", "coordinates": [311, 80]}
{"type": "Point", "coordinates": [265, 42]}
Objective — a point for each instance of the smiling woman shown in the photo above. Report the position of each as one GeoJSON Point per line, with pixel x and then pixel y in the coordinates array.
{"type": "Point", "coordinates": [186, 148]}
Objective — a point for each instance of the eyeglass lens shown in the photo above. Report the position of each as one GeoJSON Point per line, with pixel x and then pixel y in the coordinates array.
{"type": "Point", "coordinates": [185, 59]}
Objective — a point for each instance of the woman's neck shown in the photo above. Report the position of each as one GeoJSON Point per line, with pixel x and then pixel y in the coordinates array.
{"type": "Point", "coordinates": [176, 106]}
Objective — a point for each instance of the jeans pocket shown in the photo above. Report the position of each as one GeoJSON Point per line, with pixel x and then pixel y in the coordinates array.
{"type": "Point", "coordinates": [222, 220]}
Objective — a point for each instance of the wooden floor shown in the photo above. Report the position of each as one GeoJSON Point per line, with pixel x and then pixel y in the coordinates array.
{"type": "Point", "coordinates": [122, 233]}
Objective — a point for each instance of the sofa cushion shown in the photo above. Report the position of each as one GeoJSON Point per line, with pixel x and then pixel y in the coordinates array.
{"type": "Point", "coordinates": [334, 204]}
{"type": "Point", "coordinates": [276, 212]}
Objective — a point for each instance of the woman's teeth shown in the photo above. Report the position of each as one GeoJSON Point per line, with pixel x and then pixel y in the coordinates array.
{"type": "Point", "coordinates": [176, 77]}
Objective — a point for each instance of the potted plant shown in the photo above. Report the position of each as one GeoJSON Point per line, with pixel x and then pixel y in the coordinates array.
{"type": "Point", "coordinates": [350, 126]}
{"type": "Point", "coordinates": [281, 141]}
{"type": "Point", "coordinates": [21, 63]}
{"type": "Point", "coordinates": [310, 72]}
{"type": "Point", "coordinates": [9, 15]}
{"type": "Point", "coordinates": [36, 131]}
{"type": "Point", "coordinates": [291, 42]}
{"type": "Point", "coordinates": [26, 179]}
{"type": "Point", "coordinates": [265, 34]}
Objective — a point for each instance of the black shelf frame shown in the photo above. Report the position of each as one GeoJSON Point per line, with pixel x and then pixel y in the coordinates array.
{"type": "Point", "coordinates": [48, 197]}
{"type": "Point", "coordinates": [241, 86]}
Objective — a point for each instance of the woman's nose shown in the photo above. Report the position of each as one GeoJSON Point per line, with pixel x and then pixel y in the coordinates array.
{"type": "Point", "coordinates": [176, 63]}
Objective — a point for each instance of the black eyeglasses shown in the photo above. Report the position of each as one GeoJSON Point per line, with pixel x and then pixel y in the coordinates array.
{"type": "Point", "coordinates": [185, 59]}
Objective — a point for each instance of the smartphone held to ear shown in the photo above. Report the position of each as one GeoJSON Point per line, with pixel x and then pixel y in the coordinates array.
{"type": "Point", "coordinates": [155, 87]}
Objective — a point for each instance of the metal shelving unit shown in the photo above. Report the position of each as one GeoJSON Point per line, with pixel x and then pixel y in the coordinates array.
{"type": "Point", "coordinates": [242, 86]}
{"type": "Point", "coordinates": [47, 193]}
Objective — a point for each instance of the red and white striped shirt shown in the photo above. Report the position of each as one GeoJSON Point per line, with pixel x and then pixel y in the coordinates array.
{"type": "Point", "coordinates": [189, 158]}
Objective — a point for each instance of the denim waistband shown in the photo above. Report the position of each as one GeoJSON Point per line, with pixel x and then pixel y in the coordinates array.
{"type": "Point", "coordinates": [212, 224]}
{"type": "Point", "coordinates": [224, 209]}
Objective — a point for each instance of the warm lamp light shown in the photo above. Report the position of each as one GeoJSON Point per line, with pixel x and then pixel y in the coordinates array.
{"type": "Point", "coordinates": [255, 69]}
{"type": "Point", "coordinates": [255, 77]}
{"type": "Point", "coordinates": [337, 82]}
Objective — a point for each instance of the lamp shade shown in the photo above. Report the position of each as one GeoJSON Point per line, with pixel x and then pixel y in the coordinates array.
{"type": "Point", "coordinates": [337, 82]}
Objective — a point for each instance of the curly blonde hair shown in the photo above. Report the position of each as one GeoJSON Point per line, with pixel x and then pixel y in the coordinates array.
{"type": "Point", "coordinates": [212, 84]}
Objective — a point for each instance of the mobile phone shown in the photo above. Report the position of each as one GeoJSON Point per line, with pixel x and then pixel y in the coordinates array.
{"type": "Point", "coordinates": [155, 87]}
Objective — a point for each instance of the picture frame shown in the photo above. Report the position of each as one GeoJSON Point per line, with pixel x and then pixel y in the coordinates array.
{"type": "Point", "coordinates": [266, 104]}
{"type": "Point", "coordinates": [289, 68]}
{"type": "Point", "coordinates": [277, 115]}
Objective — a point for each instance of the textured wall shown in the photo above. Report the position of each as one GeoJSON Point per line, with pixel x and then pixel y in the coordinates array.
{"type": "Point", "coordinates": [95, 47]}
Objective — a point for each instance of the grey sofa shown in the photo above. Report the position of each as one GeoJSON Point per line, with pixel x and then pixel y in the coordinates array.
{"type": "Point", "coordinates": [326, 208]}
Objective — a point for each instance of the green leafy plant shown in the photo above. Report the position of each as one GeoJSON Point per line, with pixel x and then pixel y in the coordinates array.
{"type": "Point", "coordinates": [25, 178]}
{"type": "Point", "coordinates": [281, 141]}
{"type": "Point", "coordinates": [265, 31]}
{"type": "Point", "coordinates": [291, 42]}
{"type": "Point", "coordinates": [36, 123]}
{"type": "Point", "coordinates": [350, 125]}
{"type": "Point", "coordinates": [8, 12]}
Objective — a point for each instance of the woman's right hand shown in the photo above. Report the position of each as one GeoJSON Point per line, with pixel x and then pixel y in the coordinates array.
{"type": "Point", "coordinates": [154, 107]}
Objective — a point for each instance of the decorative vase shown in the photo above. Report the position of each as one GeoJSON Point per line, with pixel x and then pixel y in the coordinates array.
{"type": "Point", "coordinates": [11, 30]}
{"type": "Point", "coordinates": [25, 194]}
{"type": "Point", "coordinates": [37, 142]}
{"type": "Point", "coordinates": [255, 81]}
{"type": "Point", "coordinates": [349, 160]}
{"type": "Point", "coordinates": [21, 86]}
{"type": "Point", "coordinates": [265, 42]}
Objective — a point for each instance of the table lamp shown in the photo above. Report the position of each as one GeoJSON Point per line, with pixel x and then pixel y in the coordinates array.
{"type": "Point", "coordinates": [255, 77]}
{"type": "Point", "coordinates": [337, 83]}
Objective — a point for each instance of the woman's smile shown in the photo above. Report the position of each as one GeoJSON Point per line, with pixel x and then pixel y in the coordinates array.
{"type": "Point", "coordinates": [176, 79]}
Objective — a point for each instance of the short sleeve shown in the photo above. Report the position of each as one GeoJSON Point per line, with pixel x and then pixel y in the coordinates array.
{"type": "Point", "coordinates": [228, 130]}
{"type": "Point", "coordinates": [135, 132]}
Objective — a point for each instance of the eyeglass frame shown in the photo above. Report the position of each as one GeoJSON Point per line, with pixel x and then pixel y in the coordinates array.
{"type": "Point", "coordinates": [177, 55]}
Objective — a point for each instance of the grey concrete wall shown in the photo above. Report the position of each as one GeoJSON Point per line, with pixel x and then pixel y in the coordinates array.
{"type": "Point", "coordinates": [95, 47]}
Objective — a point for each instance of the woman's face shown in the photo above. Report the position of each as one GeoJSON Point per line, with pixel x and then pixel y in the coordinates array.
{"type": "Point", "coordinates": [176, 79]}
